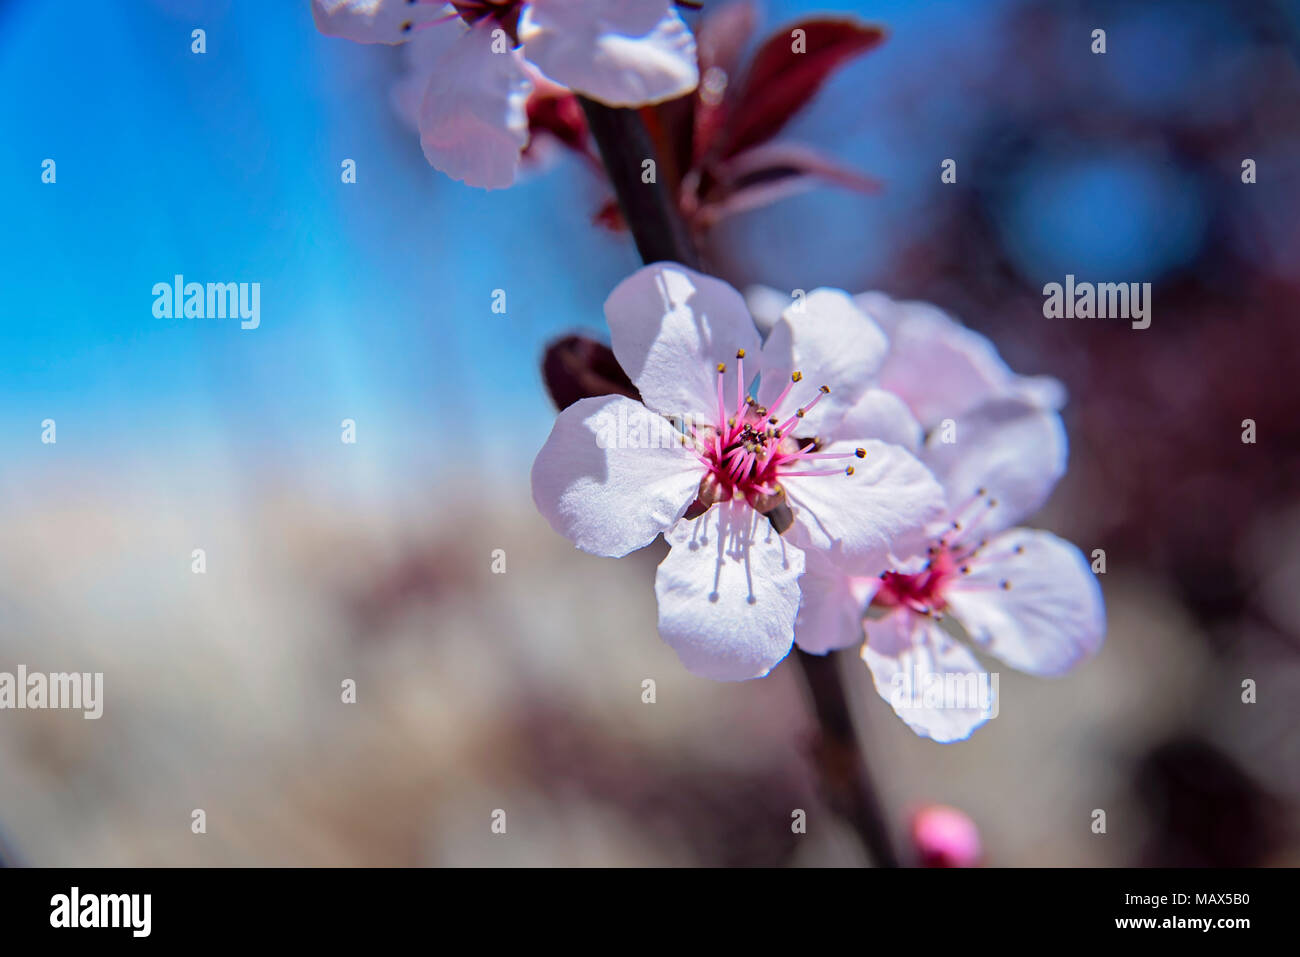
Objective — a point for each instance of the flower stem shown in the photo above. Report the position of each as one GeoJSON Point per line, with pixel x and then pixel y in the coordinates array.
{"type": "Point", "coordinates": [7, 857]}
{"type": "Point", "coordinates": [648, 208]}
{"type": "Point", "coordinates": [651, 214]}
{"type": "Point", "coordinates": [845, 773]}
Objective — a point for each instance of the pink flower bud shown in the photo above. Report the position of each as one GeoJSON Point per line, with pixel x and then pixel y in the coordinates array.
{"type": "Point", "coordinates": [945, 837]}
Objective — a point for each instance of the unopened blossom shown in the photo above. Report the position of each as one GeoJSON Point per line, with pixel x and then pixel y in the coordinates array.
{"type": "Point", "coordinates": [727, 456]}
{"type": "Point", "coordinates": [945, 837]}
{"type": "Point", "coordinates": [1023, 596]}
{"type": "Point", "coordinates": [478, 75]}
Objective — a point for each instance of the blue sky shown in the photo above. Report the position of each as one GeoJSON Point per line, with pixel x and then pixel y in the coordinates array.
{"type": "Point", "coordinates": [376, 296]}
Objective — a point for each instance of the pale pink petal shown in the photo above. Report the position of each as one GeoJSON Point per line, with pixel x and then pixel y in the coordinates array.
{"type": "Point", "coordinates": [374, 21]}
{"type": "Point", "coordinates": [1013, 451]}
{"type": "Point", "coordinates": [939, 367]}
{"type": "Point", "coordinates": [934, 683]}
{"type": "Point", "coordinates": [473, 120]}
{"type": "Point", "coordinates": [866, 521]}
{"type": "Point", "coordinates": [613, 475]}
{"type": "Point", "coordinates": [728, 593]}
{"type": "Point", "coordinates": [832, 343]}
{"type": "Point", "coordinates": [1041, 390]}
{"type": "Point", "coordinates": [420, 58]}
{"type": "Point", "coordinates": [1050, 615]}
{"type": "Point", "coordinates": [670, 327]}
{"type": "Point", "coordinates": [831, 606]}
{"type": "Point", "coordinates": [620, 52]}
{"type": "Point", "coordinates": [881, 415]}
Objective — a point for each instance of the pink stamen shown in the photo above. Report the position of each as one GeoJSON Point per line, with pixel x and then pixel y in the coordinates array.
{"type": "Point", "coordinates": [826, 472]}
{"type": "Point", "coordinates": [749, 455]}
{"type": "Point", "coordinates": [789, 423]}
{"type": "Point", "coordinates": [964, 524]}
{"type": "Point", "coordinates": [922, 592]}
{"type": "Point", "coordinates": [784, 392]}
{"type": "Point", "coordinates": [740, 384]}
{"type": "Point", "coordinates": [722, 409]}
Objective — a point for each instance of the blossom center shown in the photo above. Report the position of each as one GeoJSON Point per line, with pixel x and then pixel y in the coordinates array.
{"type": "Point", "coordinates": [921, 592]}
{"type": "Point", "coordinates": [751, 450]}
{"type": "Point", "coordinates": [948, 560]}
{"type": "Point", "coordinates": [504, 12]}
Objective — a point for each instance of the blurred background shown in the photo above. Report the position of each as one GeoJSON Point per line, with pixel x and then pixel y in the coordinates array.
{"type": "Point", "coordinates": [522, 691]}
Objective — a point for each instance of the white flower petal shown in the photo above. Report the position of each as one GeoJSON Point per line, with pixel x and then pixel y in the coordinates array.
{"type": "Point", "coordinates": [420, 58]}
{"type": "Point", "coordinates": [670, 327]}
{"type": "Point", "coordinates": [620, 52]}
{"type": "Point", "coordinates": [832, 343]}
{"type": "Point", "coordinates": [1041, 390]}
{"type": "Point", "coordinates": [939, 367]}
{"type": "Point", "coordinates": [765, 305]}
{"type": "Point", "coordinates": [374, 21]}
{"type": "Point", "coordinates": [614, 499]}
{"type": "Point", "coordinates": [866, 521]}
{"type": "Point", "coordinates": [884, 416]}
{"type": "Point", "coordinates": [907, 654]}
{"type": "Point", "coordinates": [1012, 450]}
{"type": "Point", "coordinates": [830, 606]}
{"type": "Point", "coordinates": [473, 118]}
{"type": "Point", "coordinates": [1050, 617]}
{"type": "Point", "coordinates": [728, 593]}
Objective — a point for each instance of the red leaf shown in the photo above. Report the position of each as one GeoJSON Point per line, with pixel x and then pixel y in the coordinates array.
{"type": "Point", "coordinates": [770, 173]}
{"type": "Point", "coordinates": [560, 115]}
{"type": "Point", "coordinates": [720, 39]}
{"type": "Point", "coordinates": [610, 217]}
{"type": "Point", "coordinates": [780, 81]}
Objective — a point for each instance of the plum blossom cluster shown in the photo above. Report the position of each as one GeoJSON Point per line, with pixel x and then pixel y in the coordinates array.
{"type": "Point", "coordinates": [491, 87]}
{"type": "Point", "coordinates": [479, 61]}
{"type": "Point", "coordinates": [857, 475]}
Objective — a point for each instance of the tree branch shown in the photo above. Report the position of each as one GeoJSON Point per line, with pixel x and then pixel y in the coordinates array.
{"type": "Point", "coordinates": [845, 774]}
{"type": "Point", "coordinates": [661, 235]}
{"type": "Point", "coordinates": [648, 208]}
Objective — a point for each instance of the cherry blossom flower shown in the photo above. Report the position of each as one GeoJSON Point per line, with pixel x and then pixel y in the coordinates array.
{"type": "Point", "coordinates": [743, 482]}
{"type": "Point", "coordinates": [477, 73]}
{"type": "Point", "coordinates": [1023, 596]}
